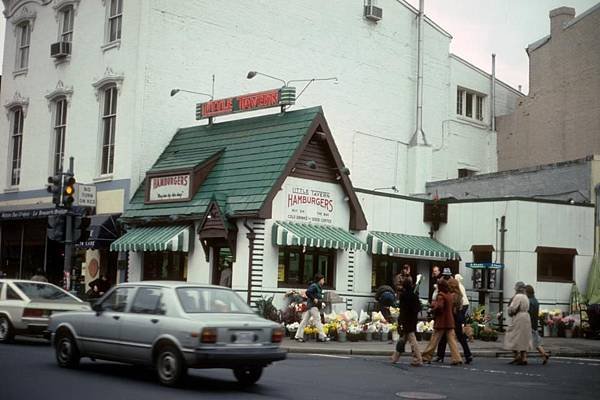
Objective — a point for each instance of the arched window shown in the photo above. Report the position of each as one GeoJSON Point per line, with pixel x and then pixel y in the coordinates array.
{"type": "Point", "coordinates": [59, 129]}
{"type": "Point", "coordinates": [16, 144]}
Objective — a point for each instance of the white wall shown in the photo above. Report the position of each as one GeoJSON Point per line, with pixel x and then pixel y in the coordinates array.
{"type": "Point", "coordinates": [528, 224]}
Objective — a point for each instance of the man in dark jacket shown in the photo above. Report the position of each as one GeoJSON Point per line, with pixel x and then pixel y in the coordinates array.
{"type": "Point", "coordinates": [386, 297]}
{"type": "Point", "coordinates": [410, 306]}
{"type": "Point", "coordinates": [314, 302]}
{"type": "Point", "coordinates": [99, 286]}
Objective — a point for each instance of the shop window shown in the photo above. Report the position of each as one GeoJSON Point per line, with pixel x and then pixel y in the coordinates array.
{"type": "Point", "coordinates": [386, 267]}
{"type": "Point", "coordinates": [297, 267]}
{"type": "Point", "coordinates": [166, 265]}
{"type": "Point", "coordinates": [555, 265]}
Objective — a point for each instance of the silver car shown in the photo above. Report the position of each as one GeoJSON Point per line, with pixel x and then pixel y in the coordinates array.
{"type": "Point", "coordinates": [26, 306]}
{"type": "Point", "coordinates": [172, 326]}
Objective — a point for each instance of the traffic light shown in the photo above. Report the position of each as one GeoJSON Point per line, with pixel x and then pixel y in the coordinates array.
{"type": "Point", "coordinates": [56, 227]}
{"type": "Point", "coordinates": [68, 191]}
{"type": "Point", "coordinates": [55, 187]}
{"type": "Point", "coordinates": [80, 228]}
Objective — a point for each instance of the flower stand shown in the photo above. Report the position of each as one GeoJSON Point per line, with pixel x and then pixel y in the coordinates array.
{"type": "Point", "coordinates": [568, 332]}
{"type": "Point", "coordinates": [353, 337]}
{"type": "Point", "coordinates": [341, 336]}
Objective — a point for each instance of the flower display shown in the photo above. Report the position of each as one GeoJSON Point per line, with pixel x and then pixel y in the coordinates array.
{"type": "Point", "coordinates": [567, 322]}
{"type": "Point", "coordinates": [423, 326]}
{"type": "Point", "coordinates": [293, 327]}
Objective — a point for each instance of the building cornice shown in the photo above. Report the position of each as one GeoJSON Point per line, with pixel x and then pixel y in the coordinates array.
{"type": "Point", "coordinates": [60, 91]}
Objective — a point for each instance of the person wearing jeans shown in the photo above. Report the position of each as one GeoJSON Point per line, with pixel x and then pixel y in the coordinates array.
{"type": "Point", "coordinates": [314, 300]}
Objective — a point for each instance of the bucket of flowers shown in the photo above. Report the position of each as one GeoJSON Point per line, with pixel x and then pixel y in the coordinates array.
{"type": "Point", "coordinates": [543, 321]}
{"type": "Point", "coordinates": [354, 333]}
{"type": "Point", "coordinates": [370, 330]}
{"type": "Point", "coordinates": [292, 328]}
{"type": "Point", "coordinates": [488, 334]}
{"type": "Point", "coordinates": [310, 333]}
{"type": "Point", "coordinates": [566, 325]}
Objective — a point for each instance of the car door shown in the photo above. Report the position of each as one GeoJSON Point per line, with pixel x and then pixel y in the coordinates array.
{"type": "Point", "coordinates": [101, 335]}
{"type": "Point", "coordinates": [140, 326]}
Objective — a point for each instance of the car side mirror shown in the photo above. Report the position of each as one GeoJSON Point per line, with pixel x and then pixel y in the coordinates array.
{"type": "Point", "coordinates": [97, 307]}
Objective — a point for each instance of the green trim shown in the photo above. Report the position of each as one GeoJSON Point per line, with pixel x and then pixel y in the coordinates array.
{"type": "Point", "coordinates": [154, 238]}
{"type": "Point", "coordinates": [387, 243]}
{"type": "Point", "coordinates": [330, 237]}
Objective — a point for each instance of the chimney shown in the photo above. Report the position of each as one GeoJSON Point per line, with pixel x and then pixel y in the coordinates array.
{"type": "Point", "coordinates": [558, 18]}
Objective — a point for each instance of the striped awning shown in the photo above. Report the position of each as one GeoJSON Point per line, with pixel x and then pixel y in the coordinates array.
{"type": "Point", "coordinates": [311, 235]}
{"type": "Point", "coordinates": [400, 245]}
{"type": "Point", "coordinates": [154, 238]}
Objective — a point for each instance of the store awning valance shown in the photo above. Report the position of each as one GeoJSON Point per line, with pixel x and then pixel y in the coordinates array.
{"type": "Point", "coordinates": [311, 235]}
{"type": "Point", "coordinates": [400, 245]}
{"type": "Point", "coordinates": [154, 238]}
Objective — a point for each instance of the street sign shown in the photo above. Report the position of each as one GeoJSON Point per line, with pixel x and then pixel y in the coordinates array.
{"type": "Point", "coordinates": [85, 195]}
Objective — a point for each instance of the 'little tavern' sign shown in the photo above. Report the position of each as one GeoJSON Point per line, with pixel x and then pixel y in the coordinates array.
{"type": "Point", "coordinates": [169, 188]}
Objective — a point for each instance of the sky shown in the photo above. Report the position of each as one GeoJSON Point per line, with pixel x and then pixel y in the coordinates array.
{"type": "Point", "coordinates": [504, 27]}
{"type": "Point", "coordinates": [482, 27]}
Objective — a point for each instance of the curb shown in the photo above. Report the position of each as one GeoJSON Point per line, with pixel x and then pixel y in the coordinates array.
{"type": "Point", "coordinates": [479, 354]}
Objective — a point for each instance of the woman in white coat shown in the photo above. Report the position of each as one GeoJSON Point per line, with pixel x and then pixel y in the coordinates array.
{"type": "Point", "coordinates": [518, 334]}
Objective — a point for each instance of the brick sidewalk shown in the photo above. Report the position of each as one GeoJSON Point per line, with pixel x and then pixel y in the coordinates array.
{"type": "Point", "coordinates": [556, 346]}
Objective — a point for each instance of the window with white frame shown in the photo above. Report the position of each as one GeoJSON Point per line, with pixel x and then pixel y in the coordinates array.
{"type": "Point", "coordinates": [66, 23]}
{"type": "Point", "coordinates": [469, 104]}
{"type": "Point", "coordinates": [109, 119]}
{"type": "Point", "coordinates": [16, 145]}
{"type": "Point", "coordinates": [23, 43]}
{"type": "Point", "coordinates": [115, 16]}
{"type": "Point", "coordinates": [60, 130]}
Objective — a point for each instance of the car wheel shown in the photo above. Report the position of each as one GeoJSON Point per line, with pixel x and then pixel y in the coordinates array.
{"type": "Point", "coordinates": [170, 366]}
{"type": "Point", "coordinates": [248, 375]}
{"type": "Point", "coordinates": [67, 353]}
{"type": "Point", "coordinates": [7, 333]}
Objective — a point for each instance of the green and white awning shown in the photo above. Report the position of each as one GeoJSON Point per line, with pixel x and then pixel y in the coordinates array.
{"type": "Point", "coordinates": [154, 238]}
{"type": "Point", "coordinates": [400, 245]}
{"type": "Point", "coordinates": [311, 235]}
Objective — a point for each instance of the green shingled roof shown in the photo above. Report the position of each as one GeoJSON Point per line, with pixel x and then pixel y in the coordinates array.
{"type": "Point", "coordinates": [255, 152]}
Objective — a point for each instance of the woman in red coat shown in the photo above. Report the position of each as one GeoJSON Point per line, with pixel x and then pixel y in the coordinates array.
{"type": "Point", "coordinates": [443, 311]}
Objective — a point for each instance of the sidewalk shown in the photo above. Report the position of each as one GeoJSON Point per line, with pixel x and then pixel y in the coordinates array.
{"type": "Point", "coordinates": [558, 347]}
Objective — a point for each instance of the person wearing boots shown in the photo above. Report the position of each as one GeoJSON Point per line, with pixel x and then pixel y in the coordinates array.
{"type": "Point", "coordinates": [442, 308]}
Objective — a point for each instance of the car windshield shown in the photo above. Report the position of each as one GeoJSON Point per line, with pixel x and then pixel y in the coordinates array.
{"type": "Point", "coordinates": [211, 300]}
{"type": "Point", "coordinates": [44, 291]}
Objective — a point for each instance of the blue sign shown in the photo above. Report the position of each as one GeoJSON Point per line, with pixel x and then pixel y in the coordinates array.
{"type": "Point", "coordinates": [484, 265]}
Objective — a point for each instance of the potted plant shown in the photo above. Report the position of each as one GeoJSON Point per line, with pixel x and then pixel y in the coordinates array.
{"type": "Point", "coordinates": [488, 334]}
{"type": "Point", "coordinates": [354, 333]}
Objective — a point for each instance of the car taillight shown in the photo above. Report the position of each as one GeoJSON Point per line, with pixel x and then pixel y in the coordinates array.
{"type": "Point", "coordinates": [277, 335]}
{"type": "Point", "coordinates": [208, 335]}
{"type": "Point", "coordinates": [33, 312]}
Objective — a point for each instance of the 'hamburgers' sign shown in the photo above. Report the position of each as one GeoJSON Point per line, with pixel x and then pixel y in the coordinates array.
{"type": "Point", "coordinates": [169, 188]}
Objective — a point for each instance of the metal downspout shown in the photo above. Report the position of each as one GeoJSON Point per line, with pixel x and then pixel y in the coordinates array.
{"type": "Point", "coordinates": [493, 100]}
{"type": "Point", "coordinates": [250, 236]}
{"type": "Point", "coordinates": [419, 134]}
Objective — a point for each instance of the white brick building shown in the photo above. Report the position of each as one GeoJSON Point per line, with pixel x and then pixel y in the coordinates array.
{"type": "Point", "coordinates": [133, 52]}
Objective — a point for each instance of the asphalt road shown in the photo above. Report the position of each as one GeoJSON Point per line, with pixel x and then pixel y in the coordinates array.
{"type": "Point", "coordinates": [28, 371]}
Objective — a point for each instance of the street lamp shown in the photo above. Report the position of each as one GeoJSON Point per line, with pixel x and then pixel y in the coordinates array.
{"type": "Point", "coordinates": [175, 91]}
{"type": "Point", "coordinates": [394, 188]}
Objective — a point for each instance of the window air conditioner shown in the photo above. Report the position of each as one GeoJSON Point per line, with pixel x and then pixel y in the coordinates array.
{"type": "Point", "coordinates": [60, 49]}
{"type": "Point", "coordinates": [373, 13]}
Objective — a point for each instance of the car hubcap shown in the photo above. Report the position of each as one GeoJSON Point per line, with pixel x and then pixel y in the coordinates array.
{"type": "Point", "coordinates": [65, 350]}
{"type": "Point", "coordinates": [3, 328]}
{"type": "Point", "coordinates": [168, 366]}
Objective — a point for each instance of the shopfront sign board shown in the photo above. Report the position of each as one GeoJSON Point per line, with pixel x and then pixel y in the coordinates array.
{"type": "Point", "coordinates": [169, 188]}
{"type": "Point", "coordinates": [284, 96]}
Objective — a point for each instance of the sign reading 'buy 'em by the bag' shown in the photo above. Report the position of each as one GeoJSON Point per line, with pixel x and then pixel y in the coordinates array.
{"type": "Point", "coordinates": [169, 188]}
{"type": "Point", "coordinates": [284, 96]}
